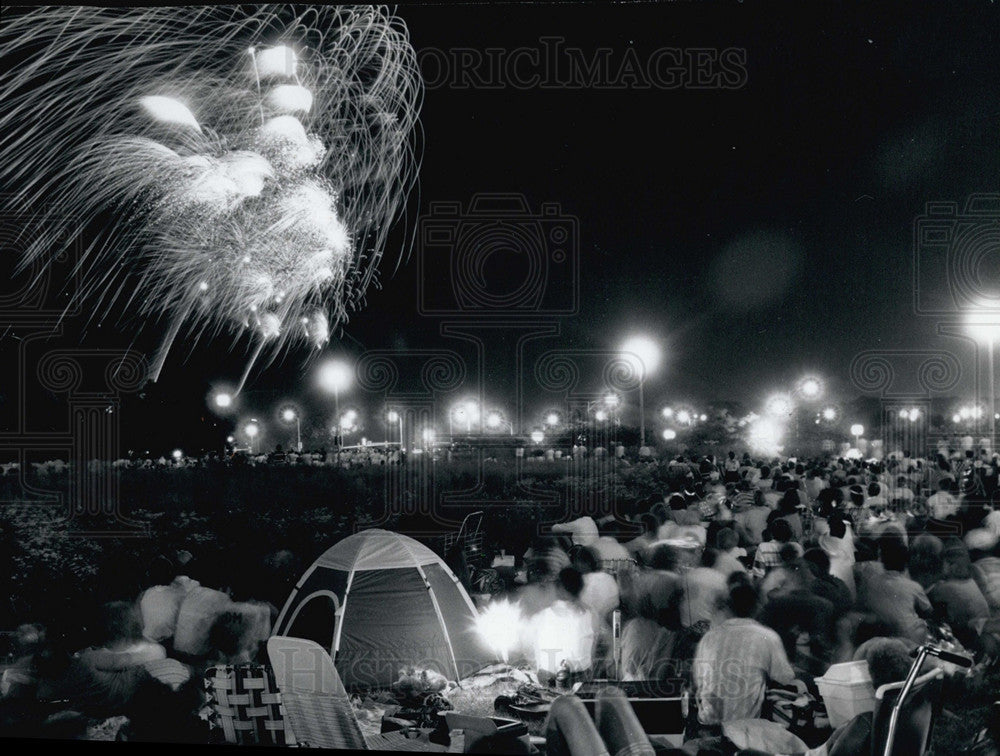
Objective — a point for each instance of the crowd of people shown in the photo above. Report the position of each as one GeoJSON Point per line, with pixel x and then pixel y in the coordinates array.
{"type": "Point", "coordinates": [749, 575]}
{"type": "Point", "coordinates": [743, 574]}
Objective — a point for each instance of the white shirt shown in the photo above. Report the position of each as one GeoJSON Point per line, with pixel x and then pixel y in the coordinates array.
{"type": "Point", "coordinates": [942, 504]}
{"type": "Point", "coordinates": [563, 632]}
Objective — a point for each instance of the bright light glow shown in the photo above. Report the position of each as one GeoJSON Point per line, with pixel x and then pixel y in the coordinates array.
{"type": "Point", "coordinates": [493, 420]}
{"type": "Point", "coordinates": [334, 376]}
{"type": "Point", "coordinates": [983, 326]}
{"type": "Point", "coordinates": [611, 400]}
{"type": "Point", "coordinates": [600, 416]}
{"type": "Point", "coordinates": [914, 415]}
{"type": "Point", "coordinates": [230, 439]}
{"type": "Point", "coordinates": [684, 417]}
{"type": "Point", "coordinates": [853, 454]}
{"type": "Point", "coordinates": [703, 417]}
{"type": "Point", "coordinates": [169, 110]}
{"type": "Point", "coordinates": [667, 412]}
{"type": "Point", "coordinates": [829, 413]}
{"type": "Point", "coordinates": [279, 60]}
{"type": "Point", "coordinates": [537, 436]}
{"type": "Point", "coordinates": [472, 408]}
{"type": "Point", "coordinates": [765, 435]}
{"type": "Point", "coordinates": [177, 454]}
{"type": "Point", "coordinates": [499, 625]}
{"type": "Point", "coordinates": [904, 414]}
{"type": "Point", "coordinates": [669, 434]}
{"type": "Point", "coordinates": [290, 98]}
{"type": "Point", "coordinates": [288, 415]}
{"type": "Point", "coordinates": [393, 416]}
{"type": "Point", "coordinates": [552, 419]}
{"type": "Point", "coordinates": [223, 400]}
{"type": "Point", "coordinates": [810, 387]}
{"type": "Point", "coordinates": [956, 418]}
{"type": "Point", "coordinates": [857, 429]}
{"type": "Point", "coordinates": [643, 354]}
{"type": "Point", "coordinates": [779, 405]}
{"type": "Point", "coordinates": [428, 434]}
{"type": "Point", "coordinates": [252, 429]}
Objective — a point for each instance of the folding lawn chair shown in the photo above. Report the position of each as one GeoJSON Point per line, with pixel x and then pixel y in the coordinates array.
{"type": "Point", "coordinates": [317, 706]}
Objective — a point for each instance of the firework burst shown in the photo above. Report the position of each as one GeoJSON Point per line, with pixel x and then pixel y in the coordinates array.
{"type": "Point", "coordinates": [239, 170]}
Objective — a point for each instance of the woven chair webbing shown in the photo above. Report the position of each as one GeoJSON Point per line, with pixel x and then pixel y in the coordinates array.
{"type": "Point", "coordinates": [247, 704]}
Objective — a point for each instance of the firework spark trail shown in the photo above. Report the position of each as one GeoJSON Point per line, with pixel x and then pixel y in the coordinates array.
{"type": "Point", "coordinates": [239, 170]}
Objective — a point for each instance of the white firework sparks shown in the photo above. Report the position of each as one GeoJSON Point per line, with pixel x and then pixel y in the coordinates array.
{"type": "Point", "coordinates": [242, 169]}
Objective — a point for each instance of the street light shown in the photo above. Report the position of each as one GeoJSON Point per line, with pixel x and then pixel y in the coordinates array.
{"type": "Point", "coordinates": [177, 454]}
{"type": "Point", "coordinates": [669, 434]}
{"type": "Point", "coordinates": [394, 417]}
{"type": "Point", "coordinates": [984, 327]}
{"type": "Point", "coordinates": [829, 414]}
{"type": "Point", "coordinates": [223, 400]}
{"type": "Point", "coordinates": [684, 417]}
{"type": "Point", "coordinates": [552, 419]}
{"type": "Point", "coordinates": [857, 430]}
{"type": "Point", "coordinates": [252, 430]}
{"type": "Point", "coordinates": [289, 415]}
{"type": "Point", "coordinates": [537, 436]}
{"type": "Point", "coordinates": [667, 412]}
{"type": "Point", "coordinates": [334, 376]}
{"type": "Point", "coordinates": [810, 387]}
{"type": "Point", "coordinates": [645, 358]}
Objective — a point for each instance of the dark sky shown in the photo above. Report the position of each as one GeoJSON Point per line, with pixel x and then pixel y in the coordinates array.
{"type": "Point", "coordinates": [757, 232]}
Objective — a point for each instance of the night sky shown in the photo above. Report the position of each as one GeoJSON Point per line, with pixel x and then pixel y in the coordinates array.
{"type": "Point", "coordinates": [758, 233]}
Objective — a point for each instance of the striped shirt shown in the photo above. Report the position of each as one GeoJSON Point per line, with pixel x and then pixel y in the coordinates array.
{"type": "Point", "coordinates": [732, 666]}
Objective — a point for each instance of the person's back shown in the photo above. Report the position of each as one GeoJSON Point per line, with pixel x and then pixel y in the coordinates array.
{"type": "Point", "coordinates": [734, 662]}
{"type": "Point", "coordinates": [957, 598]}
{"type": "Point", "coordinates": [703, 589]}
{"type": "Point", "coordinates": [894, 598]}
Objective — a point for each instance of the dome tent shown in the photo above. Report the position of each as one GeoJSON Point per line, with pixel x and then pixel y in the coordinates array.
{"type": "Point", "coordinates": [379, 602]}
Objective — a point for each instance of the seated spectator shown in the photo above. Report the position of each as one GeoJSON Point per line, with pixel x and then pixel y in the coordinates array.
{"type": "Point", "coordinates": [751, 520]}
{"type": "Point", "coordinates": [925, 563]}
{"type": "Point", "coordinates": [895, 599]}
{"type": "Point", "coordinates": [638, 545]}
{"type": "Point", "coordinates": [767, 557]}
{"type": "Point", "coordinates": [734, 662]}
{"type": "Point", "coordinates": [727, 544]}
{"type": "Point", "coordinates": [942, 504]}
{"type": "Point", "coordinates": [956, 598]}
{"type": "Point", "coordinates": [790, 575]}
{"type": "Point", "coordinates": [838, 545]}
{"type": "Point", "coordinates": [564, 632]}
{"type": "Point", "coordinates": [985, 565]}
{"type": "Point", "coordinates": [600, 590]}
{"type": "Point", "coordinates": [827, 585]}
{"type": "Point", "coordinates": [704, 591]}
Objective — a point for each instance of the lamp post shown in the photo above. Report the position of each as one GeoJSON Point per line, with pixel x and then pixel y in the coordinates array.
{"type": "Point", "coordinates": [645, 356]}
{"type": "Point", "coordinates": [394, 417]}
{"type": "Point", "coordinates": [289, 415]}
{"type": "Point", "coordinates": [252, 429]}
{"type": "Point", "coordinates": [984, 326]}
{"type": "Point", "coordinates": [334, 376]}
